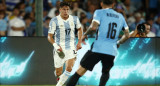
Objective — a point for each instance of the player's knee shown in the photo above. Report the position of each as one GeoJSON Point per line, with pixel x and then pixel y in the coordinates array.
{"type": "Point", "coordinates": [69, 69]}
{"type": "Point", "coordinates": [58, 73]}
{"type": "Point", "coordinates": [105, 71]}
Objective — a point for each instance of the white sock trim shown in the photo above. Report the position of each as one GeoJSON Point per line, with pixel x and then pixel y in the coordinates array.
{"type": "Point", "coordinates": [67, 73]}
{"type": "Point", "coordinates": [63, 78]}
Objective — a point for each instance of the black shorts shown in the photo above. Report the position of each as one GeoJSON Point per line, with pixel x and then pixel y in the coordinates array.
{"type": "Point", "coordinates": [90, 59]}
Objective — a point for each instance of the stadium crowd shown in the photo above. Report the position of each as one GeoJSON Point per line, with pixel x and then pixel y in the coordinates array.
{"type": "Point", "coordinates": [17, 17]}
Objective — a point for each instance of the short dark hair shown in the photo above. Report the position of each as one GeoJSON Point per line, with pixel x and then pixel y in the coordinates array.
{"type": "Point", "coordinates": [64, 4]}
{"type": "Point", "coordinates": [108, 2]}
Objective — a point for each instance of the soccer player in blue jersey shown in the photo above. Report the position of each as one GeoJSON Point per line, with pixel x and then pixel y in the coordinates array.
{"type": "Point", "coordinates": [62, 27]}
{"type": "Point", "coordinates": [104, 48]}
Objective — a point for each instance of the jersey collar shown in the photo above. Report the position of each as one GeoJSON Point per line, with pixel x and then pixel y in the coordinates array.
{"type": "Point", "coordinates": [63, 19]}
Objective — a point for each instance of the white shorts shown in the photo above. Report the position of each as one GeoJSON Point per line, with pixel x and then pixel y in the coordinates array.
{"type": "Point", "coordinates": [69, 54]}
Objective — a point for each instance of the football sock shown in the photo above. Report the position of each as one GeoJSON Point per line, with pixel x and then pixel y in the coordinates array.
{"type": "Point", "coordinates": [73, 79]}
{"type": "Point", "coordinates": [63, 78]}
{"type": "Point", "coordinates": [104, 79]}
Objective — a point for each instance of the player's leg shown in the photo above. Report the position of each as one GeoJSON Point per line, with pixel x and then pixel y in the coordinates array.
{"type": "Point", "coordinates": [58, 64]}
{"type": "Point", "coordinates": [66, 73]}
{"type": "Point", "coordinates": [87, 63]}
{"type": "Point", "coordinates": [69, 60]}
{"type": "Point", "coordinates": [107, 63]}
{"type": "Point", "coordinates": [75, 77]}
{"type": "Point", "coordinates": [58, 72]}
{"type": "Point", "coordinates": [69, 64]}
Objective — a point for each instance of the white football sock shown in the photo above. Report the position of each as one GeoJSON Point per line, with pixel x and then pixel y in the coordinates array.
{"type": "Point", "coordinates": [63, 78]}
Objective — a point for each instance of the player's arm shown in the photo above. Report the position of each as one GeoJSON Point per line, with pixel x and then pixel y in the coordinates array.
{"type": "Point", "coordinates": [80, 32]}
{"type": "Point", "coordinates": [125, 36]}
{"type": "Point", "coordinates": [50, 38]}
{"type": "Point", "coordinates": [126, 33]}
{"type": "Point", "coordinates": [133, 33]}
{"type": "Point", "coordinates": [52, 28]}
{"type": "Point", "coordinates": [52, 41]}
{"type": "Point", "coordinates": [94, 25]}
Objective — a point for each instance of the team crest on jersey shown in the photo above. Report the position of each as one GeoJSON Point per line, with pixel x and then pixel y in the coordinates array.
{"type": "Point", "coordinates": [72, 24]}
{"type": "Point", "coordinates": [61, 25]}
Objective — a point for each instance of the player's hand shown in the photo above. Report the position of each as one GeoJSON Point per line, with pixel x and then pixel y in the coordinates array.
{"type": "Point", "coordinates": [60, 49]}
{"type": "Point", "coordinates": [83, 39]}
{"type": "Point", "coordinates": [118, 45]}
{"type": "Point", "coordinates": [79, 46]}
{"type": "Point", "coordinates": [57, 48]}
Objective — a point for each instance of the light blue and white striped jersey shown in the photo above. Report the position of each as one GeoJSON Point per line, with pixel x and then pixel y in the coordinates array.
{"type": "Point", "coordinates": [64, 31]}
{"type": "Point", "coordinates": [110, 25]}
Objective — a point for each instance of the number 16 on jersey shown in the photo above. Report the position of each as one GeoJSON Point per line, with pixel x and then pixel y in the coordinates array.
{"type": "Point", "coordinates": [111, 30]}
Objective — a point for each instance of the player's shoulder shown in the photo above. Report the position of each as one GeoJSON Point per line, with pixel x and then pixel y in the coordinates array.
{"type": "Point", "coordinates": [74, 17]}
{"type": "Point", "coordinates": [99, 10]}
{"type": "Point", "coordinates": [119, 14]}
{"type": "Point", "coordinates": [54, 19]}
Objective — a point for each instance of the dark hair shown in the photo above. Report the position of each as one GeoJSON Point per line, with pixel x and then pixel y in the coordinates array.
{"type": "Point", "coordinates": [64, 4]}
{"type": "Point", "coordinates": [108, 2]}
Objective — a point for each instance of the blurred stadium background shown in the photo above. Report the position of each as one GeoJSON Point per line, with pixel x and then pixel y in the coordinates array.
{"type": "Point", "coordinates": [23, 15]}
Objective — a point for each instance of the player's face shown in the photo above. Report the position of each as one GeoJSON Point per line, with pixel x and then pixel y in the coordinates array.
{"type": "Point", "coordinates": [64, 11]}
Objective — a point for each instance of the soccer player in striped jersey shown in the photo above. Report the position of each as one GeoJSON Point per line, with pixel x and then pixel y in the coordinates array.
{"type": "Point", "coordinates": [104, 48]}
{"type": "Point", "coordinates": [63, 27]}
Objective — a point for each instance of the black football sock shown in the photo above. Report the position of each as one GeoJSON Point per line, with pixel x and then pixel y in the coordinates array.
{"type": "Point", "coordinates": [104, 79]}
{"type": "Point", "coordinates": [73, 80]}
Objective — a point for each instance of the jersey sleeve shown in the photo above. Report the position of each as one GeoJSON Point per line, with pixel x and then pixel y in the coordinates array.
{"type": "Point", "coordinates": [52, 27]}
{"type": "Point", "coordinates": [78, 23]}
{"type": "Point", "coordinates": [96, 18]}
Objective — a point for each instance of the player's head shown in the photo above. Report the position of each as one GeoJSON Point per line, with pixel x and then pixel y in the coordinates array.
{"type": "Point", "coordinates": [109, 3]}
{"type": "Point", "coordinates": [64, 9]}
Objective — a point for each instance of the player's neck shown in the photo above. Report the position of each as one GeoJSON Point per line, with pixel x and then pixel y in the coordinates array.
{"type": "Point", "coordinates": [106, 7]}
{"type": "Point", "coordinates": [65, 18]}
